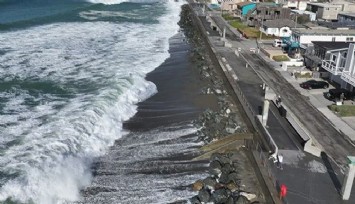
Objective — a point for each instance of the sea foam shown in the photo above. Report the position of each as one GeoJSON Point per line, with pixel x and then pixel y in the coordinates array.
{"type": "Point", "coordinates": [96, 74]}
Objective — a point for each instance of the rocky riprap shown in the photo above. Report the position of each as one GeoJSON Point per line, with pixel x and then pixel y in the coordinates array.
{"type": "Point", "coordinates": [224, 121]}
{"type": "Point", "coordinates": [223, 185]}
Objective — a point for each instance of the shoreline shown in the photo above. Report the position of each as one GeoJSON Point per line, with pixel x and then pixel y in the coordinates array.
{"type": "Point", "coordinates": [191, 93]}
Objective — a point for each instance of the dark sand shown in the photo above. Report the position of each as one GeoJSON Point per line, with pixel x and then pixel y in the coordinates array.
{"type": "Point", "coordinates": [152, 163]}
{"type": "Point", "coordinates": [179, 96]}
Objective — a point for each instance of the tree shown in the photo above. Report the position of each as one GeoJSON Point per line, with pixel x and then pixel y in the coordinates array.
{"type": "Point", "coordinates": [302, 19]}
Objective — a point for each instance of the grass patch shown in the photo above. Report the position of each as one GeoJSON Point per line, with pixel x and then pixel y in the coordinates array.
{"type": "Point", "coordinates": [343, 110]}
{"type": "Point", "coordinates": [306, 75]}
{"type": "Point", "coordinates": [249, 32]}
{"type": "Point", "coordinates": [228, 17]}
{"type": "Point", "coordinates": [237, 24]}
{"type": "Point", "coordinates": [280, 58]}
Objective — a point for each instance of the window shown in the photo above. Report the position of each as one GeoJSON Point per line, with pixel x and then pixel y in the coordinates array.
{"type": "Point", "coordinates": [345, 54]}
{"type": "Point", "coordinates": [333, 39]}
{"type": "Point", "coordinates": [334, 57]}
{"type": "Point", "coordinates": [349, 39]}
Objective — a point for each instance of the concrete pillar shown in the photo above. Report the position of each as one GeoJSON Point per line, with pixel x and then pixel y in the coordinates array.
{"type": "Point", "coordinates": [349, 179]}
{"type": "Point", "coordinates": [265, 112]}
{"type": "Point", "coordinates": [224, 32]}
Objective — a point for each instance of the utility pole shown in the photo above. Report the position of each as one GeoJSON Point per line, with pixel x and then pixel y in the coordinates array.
{"type": "Point", "coordinates": [296, 20]}
{"type": "Point", "coordinates": [262, 25]}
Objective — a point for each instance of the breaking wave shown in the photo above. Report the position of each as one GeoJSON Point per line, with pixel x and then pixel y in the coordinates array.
{"type": "Point", "coordinates": [66, 88]}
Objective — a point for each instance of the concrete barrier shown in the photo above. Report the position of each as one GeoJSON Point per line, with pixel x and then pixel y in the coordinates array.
{"type": "Point", "coordinates": [311, 145]}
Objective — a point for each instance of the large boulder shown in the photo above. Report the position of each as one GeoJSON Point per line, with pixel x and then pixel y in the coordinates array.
{"type": "Point", "coordinates": [215, 168]}
{"type": "Point", "coordinates": [230, 200]}
{"type": "Point", "coordinates": [195, 200]}
{"type": "Point", "coordinates": [249, 196]}
{"type": "Point", "coordinates": [204, 195]}
{"type": "Point", "coordinates": [223, 178]}
{"type": "Point", "coordinates": [232, 186]}
{"type": "Point", "coordinates": [227, 168]}
{"type": "Point", "coordinates": [233, 177]}
{"type": "Point", "coordinates": [209, 183]}
{"type": "Point", "coordinates": [220, 196]}
{"type": "Point", "coordinates": [198, 185]}
{"type": "Point", "coordinates": [242, 200]}
{"type": "Point", "coordinates": [221, 158]}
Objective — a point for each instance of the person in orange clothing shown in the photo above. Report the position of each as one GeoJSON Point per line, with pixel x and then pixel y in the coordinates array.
{"type": "Point", "coordinates": [283, 191]}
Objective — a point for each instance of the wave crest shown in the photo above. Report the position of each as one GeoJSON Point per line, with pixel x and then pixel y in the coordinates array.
{"type": "Point", "coordinates": [107, 2]}
{"type": "Point", "coordinates": [111, 2]}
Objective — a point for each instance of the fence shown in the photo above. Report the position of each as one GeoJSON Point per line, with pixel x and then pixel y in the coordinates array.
{"type": "Point", "coordinates": [261, 158]}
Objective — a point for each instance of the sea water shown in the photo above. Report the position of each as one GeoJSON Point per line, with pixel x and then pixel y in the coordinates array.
{"type": "Point", "coordinates": [71, 72]}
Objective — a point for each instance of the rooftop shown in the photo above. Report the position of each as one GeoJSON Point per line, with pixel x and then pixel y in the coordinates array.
{"type": "Point", "coordinates": [332, 45]}
{"type": "Point", "coordinates": [242, 4]}
{"type": "Point", "coordinates": [347, 14]}
{"type": "Point", "coordinates": [327, 5]}
{"type": "Point", "coordinates": [279, 23]}
{"type": "Point", "coordinates": [323, 32]}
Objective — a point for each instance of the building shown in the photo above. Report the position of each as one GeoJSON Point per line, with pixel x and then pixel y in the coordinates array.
{"type": "Point", "coordinates": [337, 58]}
{"type": "Point", "coordinates": [346, 17]}
{"type": "Point", "coordinates": [325, 11]}
{"type": "Point", "coordinates": [279, 27]}
{"type": "Point", "coordinates": [296, 4]}
{"type": "Point", "coordinates": [311, 15]}
{"type": "Point", "coordinates": [267, 11]}
{"type": "Point", "coordinates": [329, 11]}
{"type": "Point", "coordinates": [229, 5]}
{"type": "Point", "coordinates": [348, 75]}
{"type": "Point", "coordinates": [244, 7]}
{"type": "Point", "coordinates": [305, 36]}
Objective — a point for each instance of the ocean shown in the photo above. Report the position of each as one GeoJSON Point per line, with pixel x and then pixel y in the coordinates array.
{"type": "Point", "coordinates": [73, 73]}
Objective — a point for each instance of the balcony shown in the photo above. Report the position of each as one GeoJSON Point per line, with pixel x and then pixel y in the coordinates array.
{"type": "Point", "coordinates": [348, 78]}
{"type": "Point", "coordinates": [331, 67]}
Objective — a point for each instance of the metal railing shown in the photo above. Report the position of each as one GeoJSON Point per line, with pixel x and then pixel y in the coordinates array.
{"type": "Point", "coordinates": [262, 159]}
{"type": "Point", "coordinates": [347, 77]}
{"type": "Point", "coordinates": [331, 67]}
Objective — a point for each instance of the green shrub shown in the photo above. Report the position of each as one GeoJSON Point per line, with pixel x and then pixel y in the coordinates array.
{"type": "Point", "coordinates": [280, 58]}
{"type": "Point", "coordinates": [306, 75]}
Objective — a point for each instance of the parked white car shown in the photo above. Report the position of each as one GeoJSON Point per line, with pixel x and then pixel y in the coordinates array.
{"type": "Point", "coordinates": [278, 43]}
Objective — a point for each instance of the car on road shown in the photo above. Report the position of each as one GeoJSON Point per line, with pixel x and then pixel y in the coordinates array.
{"type": "Point", "coordinates": [313, 84]}
{"type": "Point", "coordinates": [336, 94]}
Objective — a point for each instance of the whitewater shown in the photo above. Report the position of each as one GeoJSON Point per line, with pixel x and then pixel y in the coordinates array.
{"type": "Point", "coordinates": [66, 87]}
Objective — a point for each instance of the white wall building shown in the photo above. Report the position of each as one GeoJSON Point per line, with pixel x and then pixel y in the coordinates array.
{"type": "Point", "coordinates": [312, 16]}
{"type": "Point", "coordinates": [278, 27]}
{"type": "Point", "coordinates": [305, 36]}
{"type": "Point", "coordinates": [296, 4]}
{"type": "Point", "coordinates": [338, 58]}
{"type": "Point", "coordinates": [348, 74]}
{"type": "Point", "coordinates": [229, 5]}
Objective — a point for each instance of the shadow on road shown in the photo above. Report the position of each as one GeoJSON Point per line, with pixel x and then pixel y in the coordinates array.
{"type": "Point", "coordinates": [331, 172]}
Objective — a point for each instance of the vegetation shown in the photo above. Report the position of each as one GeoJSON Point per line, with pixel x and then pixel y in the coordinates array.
{"type": "Point", "coordinates": [343, 110]}
{"type": "Point", "coordinates": [302, 19]}
{"type": "Point", "coordinates": [247, 31]}
{"type": "Point", "coordinates": [280, 58]}
{"type": "Point", "coordinates": [306, 75]}
{"type": "Point", "coordinates": [228, 17]}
